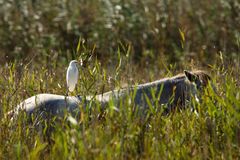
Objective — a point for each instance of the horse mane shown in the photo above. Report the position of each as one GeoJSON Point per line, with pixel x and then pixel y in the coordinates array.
{"type": "Point", "coordinates": [202, 75]}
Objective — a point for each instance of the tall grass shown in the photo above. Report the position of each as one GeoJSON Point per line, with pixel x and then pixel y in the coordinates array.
{"type": "Point", "coordinates": [212, 133]}
{"type": "Point", "coordinates": [34, 28]}
{"type": "Point", "coordinates": [39, 38]}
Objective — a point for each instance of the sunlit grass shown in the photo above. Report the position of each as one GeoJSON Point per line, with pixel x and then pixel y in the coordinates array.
{"type": "Point", "coordinates": [38, 39]}
{"type": "Point", "coordinates": [212, 133]}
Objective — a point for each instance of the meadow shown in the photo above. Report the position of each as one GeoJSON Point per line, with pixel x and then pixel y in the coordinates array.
{"type": "Point", "coordinates": [132, 42]}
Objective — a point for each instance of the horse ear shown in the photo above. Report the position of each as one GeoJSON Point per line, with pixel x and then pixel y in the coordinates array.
{"type": "Point", "coordinates": [190, 76]}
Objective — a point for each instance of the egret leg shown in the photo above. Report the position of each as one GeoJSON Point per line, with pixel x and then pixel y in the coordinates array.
{"type": "Point", "coordinates": [67, 93]}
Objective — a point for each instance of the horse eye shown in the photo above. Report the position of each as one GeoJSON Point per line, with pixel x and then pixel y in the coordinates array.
{"type": "Point", "coordinates": [199, 85]}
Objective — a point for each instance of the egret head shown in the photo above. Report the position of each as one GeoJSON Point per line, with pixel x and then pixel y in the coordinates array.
{"type": "Point", "coordinates": [73, 62]}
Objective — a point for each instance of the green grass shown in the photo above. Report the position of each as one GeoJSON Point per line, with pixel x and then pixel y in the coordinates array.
{"type": "Point", "coordinates": [213, 134]}
{"type": "Point", "coordinates": [146, 41]}
{"type": "Point", "coordinates": [46, 28]}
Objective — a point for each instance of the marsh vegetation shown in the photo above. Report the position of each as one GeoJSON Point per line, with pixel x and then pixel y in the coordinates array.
{"type": "Point", "coordinates": [132, 42]}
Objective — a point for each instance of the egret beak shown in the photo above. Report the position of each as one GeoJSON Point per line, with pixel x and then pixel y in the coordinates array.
{"type": "Point", "coordinates": [80, 62]}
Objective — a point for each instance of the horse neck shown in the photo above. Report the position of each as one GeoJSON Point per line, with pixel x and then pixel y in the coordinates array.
{"type": "Point", "coordinates": [169, 83]}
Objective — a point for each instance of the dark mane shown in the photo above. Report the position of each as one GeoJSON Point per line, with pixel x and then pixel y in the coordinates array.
{"type": "Point", "coordinates": [202, 75]}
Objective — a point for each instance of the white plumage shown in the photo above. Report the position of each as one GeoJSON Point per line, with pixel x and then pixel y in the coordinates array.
{"type": "Point", "coordinates": [72, 75]}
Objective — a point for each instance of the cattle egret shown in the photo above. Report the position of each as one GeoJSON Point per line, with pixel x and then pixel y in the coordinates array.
{"type": "Point", "coordinates": [72, 75]}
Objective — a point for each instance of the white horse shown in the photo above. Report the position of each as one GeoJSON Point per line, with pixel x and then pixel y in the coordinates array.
{"type": "Point", "coordinates": [172, 92]}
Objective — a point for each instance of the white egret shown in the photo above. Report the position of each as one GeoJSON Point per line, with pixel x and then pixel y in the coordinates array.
{"type": "Point", "coordinates": [72, 75]}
